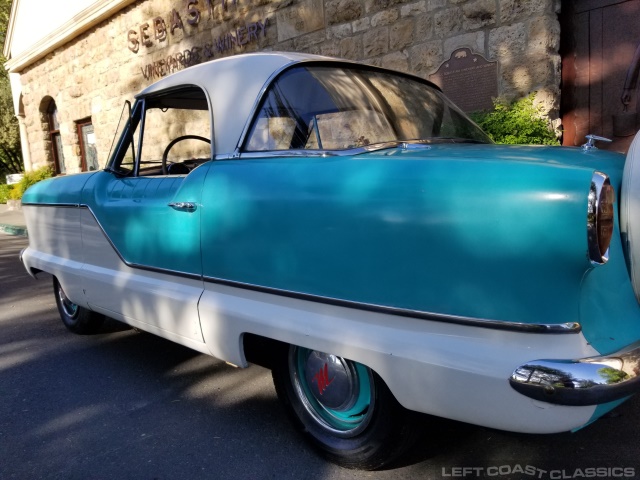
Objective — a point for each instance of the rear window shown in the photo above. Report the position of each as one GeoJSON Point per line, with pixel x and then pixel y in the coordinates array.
{"type": "Point", "coordinates": [337, 108]}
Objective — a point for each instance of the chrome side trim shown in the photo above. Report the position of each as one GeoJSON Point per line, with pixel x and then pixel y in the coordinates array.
{"type": "Point", "coordinates": [57, 205]}
{"type": "Point", "coordinates": [562, 328]}
{"type": "Point", "coordinates": [297, 153]}
{"type": "Point", "coordinates": [404, 145]}
{"type": "Point", "coordinates": [598, 181]}
{"type": "Point", "coordinates": [166, 271]}
{"type": "Point", "coordinates": [349, 152]}
{"type": "Point", "coordinates": [586, 381]}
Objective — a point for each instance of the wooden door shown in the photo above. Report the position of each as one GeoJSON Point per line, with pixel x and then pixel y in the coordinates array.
{"type": "Point", "coordinates": [600, 61]}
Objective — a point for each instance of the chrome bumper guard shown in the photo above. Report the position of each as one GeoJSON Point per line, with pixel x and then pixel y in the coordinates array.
{"type": "Point", "coordinates": [587, 381]}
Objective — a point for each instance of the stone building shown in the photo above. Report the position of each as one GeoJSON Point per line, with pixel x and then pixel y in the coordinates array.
{"type": "Point", "coordinates": [72, 68]}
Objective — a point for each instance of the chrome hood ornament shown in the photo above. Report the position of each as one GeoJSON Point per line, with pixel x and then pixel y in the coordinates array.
{"type": "Point", "coordinates": [591, 142]}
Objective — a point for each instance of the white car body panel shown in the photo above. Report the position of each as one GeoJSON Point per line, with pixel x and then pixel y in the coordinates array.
{"type": "Point", "coordinates": [437, 368]}
{"type": "Point", "coordinates": [414, 357]}
{"type": "Point", "coordinates": [119, 290]}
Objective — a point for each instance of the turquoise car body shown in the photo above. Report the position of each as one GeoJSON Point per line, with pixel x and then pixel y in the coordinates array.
{"type": "Point", "coordinates": [476, 231]}
{"type": "Point", "coordinates": [422, 260]}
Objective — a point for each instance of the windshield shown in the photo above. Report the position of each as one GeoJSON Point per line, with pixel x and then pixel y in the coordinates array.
{"type": "Point", "coordinates": [122, 152]}
{"type": "Point", "coordinates": [338, 108]}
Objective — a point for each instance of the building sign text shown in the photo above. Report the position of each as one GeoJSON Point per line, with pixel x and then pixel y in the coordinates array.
{"type": "Point", "coordinates": [158, 29]}
{"type": "Point", "coordinates": [241, 36]}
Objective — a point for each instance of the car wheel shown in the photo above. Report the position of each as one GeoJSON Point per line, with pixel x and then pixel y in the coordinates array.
{"type": "Point", "coordinates": [343, 408]}
{"type": "Point", "coordinates": [75, 318]}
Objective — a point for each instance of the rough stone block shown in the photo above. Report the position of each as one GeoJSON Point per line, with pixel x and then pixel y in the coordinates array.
{"type": "Point", "coordinates": [479, 14]}
{"type": "Point", "coordinates": [331, 49]}
{"type": "Point", "coordinates": [376, 62]}
{"type": "Point", "coordinates": [424, 27]}
{"type": "Point", "coordinates": [436, 4]}
{"type": "Point", "coordinates": [305, 17]}
{"type": "Point", "coordinates": [396, 61]}
{"type": "Point", "coordinates": [372, 6]}
{"type": "Point", "coordinates": [505, 42]}
{"type": "Point", "coordinates": [376, 42]}
{"type": "Point", "coordinates": [447, 22]}
{"type": "Point", "coordinates": [351, 47]}
{"type": "Point", "coordinates": [544, 35]}
{"type": "Point", "coordinates": [413, 9]}
{"type": "Point", "coordinates": [305, 41]}
{"type": "Point", "coordinates": [526, 74]}
{"type": "Point", "coordinates": [514, 10]}
{"type": "Point", "coordinates": [386, 17]}
{"type": "Point", "coordinates": [401, 34]}
{"type": "Point", "coordinates": [547, 100]}
{"type": "Point", "coordinates": [361, 25]}
{"type": "Point", "coordinates": [342, 11]}
{"type": "Point", "coordinates": [425, 58]}
{"type": "Point", "coordinates": [339, 31]}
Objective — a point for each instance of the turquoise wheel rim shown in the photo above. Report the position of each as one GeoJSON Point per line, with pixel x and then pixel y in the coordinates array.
{"type": "Point", "coordinates": [338, 394]}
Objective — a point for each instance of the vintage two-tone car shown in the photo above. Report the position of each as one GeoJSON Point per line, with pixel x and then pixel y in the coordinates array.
{"type": "Point", "coordinates": [354, 225]}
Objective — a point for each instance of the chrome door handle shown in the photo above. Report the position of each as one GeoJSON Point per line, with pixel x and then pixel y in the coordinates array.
{"type": "Point", "coordinates": [183, 206]}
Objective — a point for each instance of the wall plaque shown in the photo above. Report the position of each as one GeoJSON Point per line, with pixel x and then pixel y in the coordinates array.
{"type": "Point", "coordinates": [468, 79]}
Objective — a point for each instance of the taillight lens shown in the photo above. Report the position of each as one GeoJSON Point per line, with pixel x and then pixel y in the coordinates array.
{"type": "Point", "coordinates": [600, 218]}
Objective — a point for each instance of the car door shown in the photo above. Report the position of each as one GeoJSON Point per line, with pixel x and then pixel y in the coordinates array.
{"type": "Point", "coordinates": [141, 224]}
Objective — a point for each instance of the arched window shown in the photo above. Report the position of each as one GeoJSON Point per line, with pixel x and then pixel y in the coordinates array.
{"type": "Point", "coordinates": [56, 140]}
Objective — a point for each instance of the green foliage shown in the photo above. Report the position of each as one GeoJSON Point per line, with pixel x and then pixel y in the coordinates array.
{"type": "Point", "coordinates": [10, 151]}
{"type": "Point", "coordinates": [517, 123]}
{"type": "Point", "coordinates": [30, 178]}
{"type": "Point", "coordinates": [5, 11]}
{"type": "Point", "coordinates": [5, 192]}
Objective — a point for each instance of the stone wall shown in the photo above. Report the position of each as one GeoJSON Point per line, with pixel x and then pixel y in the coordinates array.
{"type": "Point", "coordinates": [92, 75]}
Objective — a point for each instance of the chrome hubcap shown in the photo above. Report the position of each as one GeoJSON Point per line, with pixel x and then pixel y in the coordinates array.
{"type": "Point", "coordinates": [70, 308]}
{"type": "Point", "coordinates": [338, 393]}
{"type": "Point", "coordinates": [332, 380]}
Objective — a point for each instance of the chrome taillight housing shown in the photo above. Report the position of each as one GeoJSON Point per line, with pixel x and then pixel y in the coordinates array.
{"type": "Point", "coordinates": [600, 218]}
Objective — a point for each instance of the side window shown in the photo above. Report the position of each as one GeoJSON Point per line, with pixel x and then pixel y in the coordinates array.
{"type": "Point", "coordinates": [174, 140]}
{"type": "Point", "coordinates": [168, 134]}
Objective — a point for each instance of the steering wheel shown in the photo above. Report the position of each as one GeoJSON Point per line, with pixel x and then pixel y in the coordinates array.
{"type": "Point", "coordinates": [165, 154]}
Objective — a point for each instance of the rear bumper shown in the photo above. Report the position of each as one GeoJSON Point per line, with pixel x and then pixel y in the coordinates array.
{"type": "Point", "coordinates": [587, 381]}
{"type": "Point", "coordinates": [24, 259]}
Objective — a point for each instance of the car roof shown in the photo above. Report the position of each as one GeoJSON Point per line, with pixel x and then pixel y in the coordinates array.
{"type": "Point", "coordinates": [233, 86]}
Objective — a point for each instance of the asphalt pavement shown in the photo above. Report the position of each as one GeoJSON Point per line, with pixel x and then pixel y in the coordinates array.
{"type": "Point", "coordinates": [127, 405]}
